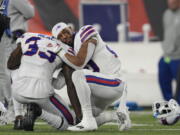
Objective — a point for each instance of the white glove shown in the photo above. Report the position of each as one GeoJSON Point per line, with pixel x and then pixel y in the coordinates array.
{"type": "Point", "coordinates": [54, 47]}
{"type": "Point", "coordinates": [2, 108]}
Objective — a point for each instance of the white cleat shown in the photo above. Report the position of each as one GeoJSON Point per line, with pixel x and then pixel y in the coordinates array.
{"type": "Point", "coordinates": [88, 125]}
{"type": "Point", "coordinates": [7, 115]}
{"type": "Point", "coordinates": [123, 119]}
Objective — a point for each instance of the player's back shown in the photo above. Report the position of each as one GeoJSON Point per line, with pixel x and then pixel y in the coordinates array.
{"type": "Point", "coordinates": [37, 64]}
{"type": "Point", "coordinates": [104, 59]}
{"type": "Point", "coordinates": [37, 61]}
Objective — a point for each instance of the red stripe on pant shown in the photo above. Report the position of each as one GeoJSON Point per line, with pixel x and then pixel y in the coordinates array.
{"type": "Point", "coordinates": [102, 81]}
{"type": "Point", "coordinates": [62, 109]}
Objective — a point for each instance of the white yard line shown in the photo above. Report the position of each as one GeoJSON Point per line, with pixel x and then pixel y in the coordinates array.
{"type": "Point", "coordinates": [110, 123]}
{"type": "Point", "coordinates": [133, 124]}
{"type": "Point", "coordinates": [41, 123]}
{"type": "Point", "coordinates": [169, 129]}
{"type": "Point", "coordinates": [141, 112]}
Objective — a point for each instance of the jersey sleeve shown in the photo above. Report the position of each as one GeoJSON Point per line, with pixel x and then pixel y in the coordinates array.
{"type": "Point", "coordinates": [86, 32]}
{"type": "Point", "coordinates": [90, 51]}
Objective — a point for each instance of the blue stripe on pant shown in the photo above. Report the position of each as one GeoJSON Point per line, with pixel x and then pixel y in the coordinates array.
{"type": "Point", "coordinates": [167, 72]}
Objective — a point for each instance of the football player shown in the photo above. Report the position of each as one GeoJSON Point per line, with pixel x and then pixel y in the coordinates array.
{"type": "Point", "coordinates": [97, 77]}
{"type": "Point", "coordinates": [32, 81]}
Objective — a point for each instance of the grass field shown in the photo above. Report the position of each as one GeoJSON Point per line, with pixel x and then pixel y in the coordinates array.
{"type": "Point", "coordinates": [143, 124]}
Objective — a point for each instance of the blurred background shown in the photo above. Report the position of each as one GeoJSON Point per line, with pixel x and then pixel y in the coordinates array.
{"type": "Point", "coordinates": [131, 27]}
{"type": "Point", "coordinates": [107, 14]}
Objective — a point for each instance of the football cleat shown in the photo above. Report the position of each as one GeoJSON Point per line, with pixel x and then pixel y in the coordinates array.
{"type": "Point", "coordinates": [90, 125]}
{"type": "Point", "coordinates": [33, 111]}
{"type": "Point", "coordinates": [123, 119]}
{"type": "Point", "coordinates": [18, 123]}
{"type": "Point", "coordinates": [7, 115]}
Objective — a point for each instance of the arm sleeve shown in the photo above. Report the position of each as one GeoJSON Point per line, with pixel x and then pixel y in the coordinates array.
{"type": "Point", "coordinates": [23, 6]}
{"type": "Point", "coordinates": [90, 51]}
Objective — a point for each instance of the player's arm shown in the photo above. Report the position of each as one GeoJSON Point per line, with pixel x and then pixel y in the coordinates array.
{"type": "Point", "coordinates": [14, 60]}
{"type": "Point", "coordinates": [24, 7]}
{"type": "Point", "coordinates": [67, 72]}
{"type": "Point", "coordinates": [84, 55]}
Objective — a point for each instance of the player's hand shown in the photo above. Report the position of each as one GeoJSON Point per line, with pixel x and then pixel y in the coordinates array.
{"type": "Point", "coordinates": [55, 48]}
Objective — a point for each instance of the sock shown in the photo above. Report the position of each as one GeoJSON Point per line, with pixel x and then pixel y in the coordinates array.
{"type": "Point", "coordinates": [122, 104]}
{"type": "Point", "coordinates": [18, 108]}
{"type": "Point", "coordinates": [55, 121]}
{"type": "Point", "coordinates": [83, 92]}
{"type": "Point", "coordinates": [7, 85]}
{"type": "Point", "coordinates": [105, 118]}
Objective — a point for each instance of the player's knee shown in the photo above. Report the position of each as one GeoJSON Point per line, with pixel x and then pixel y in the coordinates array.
{"type": "Point", "coordinates": [77, 75]}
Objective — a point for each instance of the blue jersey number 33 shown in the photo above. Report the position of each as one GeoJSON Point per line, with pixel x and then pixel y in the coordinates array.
{"type": "Point", "coordinates": [33, 49]}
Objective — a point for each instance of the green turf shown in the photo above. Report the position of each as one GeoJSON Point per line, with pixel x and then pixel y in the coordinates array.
{"type": "Point", "coordinates": [143, 124]}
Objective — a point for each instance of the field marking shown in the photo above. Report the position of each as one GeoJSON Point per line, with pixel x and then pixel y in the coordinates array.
{"type": "Point", "coordinates": [169, 129]}
{"type": "Point", "coordinates": [141, 112]}
{"type": "Point", "coordinates": [142, 125]}
{"type": "Point", "coordinates": [110, 123]}
{"type": "Point", "coordinates": [41, 123]}
{"type": "Point", "coordinates": [133, 124]}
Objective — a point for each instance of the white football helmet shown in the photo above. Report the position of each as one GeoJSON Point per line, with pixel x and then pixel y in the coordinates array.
{"type": "Point", "coordinates": [167, 112]}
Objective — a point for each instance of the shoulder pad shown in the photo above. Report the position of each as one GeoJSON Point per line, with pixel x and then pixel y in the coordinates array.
{"type": "Point", "coordinates": [87, 32]}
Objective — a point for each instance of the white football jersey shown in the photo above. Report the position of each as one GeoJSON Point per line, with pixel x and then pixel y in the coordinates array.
{"type": "Point", "coordinates": [37, 61]}
{"type": "Point", "coordinates": [104, 59]}
{"type": "Point", "coordinates": [37, 65]}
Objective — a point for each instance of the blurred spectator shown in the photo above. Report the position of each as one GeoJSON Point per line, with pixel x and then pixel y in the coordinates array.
{"type": "Point", "coordinates": [168, 64]}
{"type": "Point", "coordinates": [19, 11]}
{"type": "Point", "coordinates": [4, 24]}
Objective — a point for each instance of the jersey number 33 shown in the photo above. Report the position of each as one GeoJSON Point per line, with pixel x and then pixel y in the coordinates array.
{"type": "Point", "coordinates": [34, 49]}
